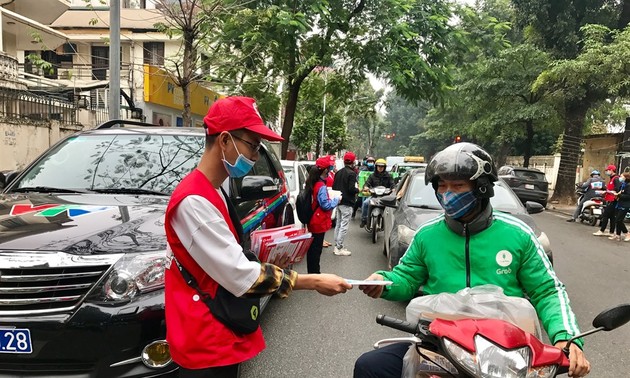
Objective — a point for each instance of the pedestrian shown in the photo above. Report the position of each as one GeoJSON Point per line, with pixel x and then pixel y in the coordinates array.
{"type": "Point", "coordinates": [323, 207]}
{"type": "Point", "coordinates": [346, 183]}
{"type": "Point", "coordinates": [203, 234]}
{"type": "Point", "coordinates": [592, 187]}
{"type": "Point", "coordinates": [458, 249]}
{"type": "Point", "coordinates": [622, 207]}
{"type": "Point", "coordinates": [610, 201]}
{"type": "Point", "coordinates": [380, 177]}
{"type": "Point", "coordinates": [329, 183]}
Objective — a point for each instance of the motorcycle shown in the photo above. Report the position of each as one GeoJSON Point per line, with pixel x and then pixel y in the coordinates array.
{"type": "Point", "coordinates": [488, 348]}
{"type": "Point", "coordinates": [375, 222]}
{"type": "Point", "coordinates": [592, 209]}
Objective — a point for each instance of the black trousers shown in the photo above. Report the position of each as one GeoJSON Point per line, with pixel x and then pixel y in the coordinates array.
{"type": "Point", "coordinates": [608, 214]}
{"type": "Point", "coordinates": [314, 253]}
{"type": "Point", "coordinates": [385, 362]}
{"type": "Point", "coordinates": [230, 371]}
{"type": "Point", "coordinates": [620, 216]}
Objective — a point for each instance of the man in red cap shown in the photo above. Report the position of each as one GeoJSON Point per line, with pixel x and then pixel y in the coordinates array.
{"type": "Point", "coordinates": [203, 233]}
{"type": "Point", "coordinates": [346, 183]}
{"type": "Point", "coordinates": [610, 199]}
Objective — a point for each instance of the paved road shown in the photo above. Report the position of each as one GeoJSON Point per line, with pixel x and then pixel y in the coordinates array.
{"type": "Point", "coordinates": [309, 335]}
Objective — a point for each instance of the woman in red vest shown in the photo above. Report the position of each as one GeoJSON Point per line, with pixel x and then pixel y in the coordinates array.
{"type": "Point", "coordinates": [323, 205]}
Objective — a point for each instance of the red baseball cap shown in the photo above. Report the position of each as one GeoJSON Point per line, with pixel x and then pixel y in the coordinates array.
{"type": "Point", "coordinates": [349, 157]}
{"type": "Point", "coordinates": [611, 168]}
{"type": "Point", "coordinates": [332, 159]}
{"type": "Point", "coordinates": [234, 113]}
{"type": "Point", "coordinates": [323, 162]}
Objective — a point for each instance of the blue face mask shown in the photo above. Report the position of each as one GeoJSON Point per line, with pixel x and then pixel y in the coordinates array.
{"type": "Point", "coordinates": [241, 166]}
{"type": "Point", "coordinates": [370, 166]}
{"type": "Point", "coordinates": [456, 205]}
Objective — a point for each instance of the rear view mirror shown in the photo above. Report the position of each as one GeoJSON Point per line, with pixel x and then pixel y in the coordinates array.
{"type": "Point", "coordinates": [389, 201]}
{"type": "Point", "coordinates": [534, 207]}
{"type": "Point", "coordinates": [258, 187]}
{"type": "Point", "coordinates": [6, 177]}
{"type": "Point", "coordinates": [613, 318]}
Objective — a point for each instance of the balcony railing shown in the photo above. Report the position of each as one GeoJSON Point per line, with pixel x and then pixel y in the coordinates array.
{"type": "Point", "coordinates": [82, 72]}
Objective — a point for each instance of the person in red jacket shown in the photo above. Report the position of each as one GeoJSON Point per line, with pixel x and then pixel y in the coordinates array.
{"type": "Point", "coordinates": [610, 199]}
{"type": "Point", "coordinates": [323, 205]}
{"type": "Point", "coordinates": [203, 237]}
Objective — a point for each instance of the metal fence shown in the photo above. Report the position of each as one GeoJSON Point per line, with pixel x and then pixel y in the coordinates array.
{"type": "Point", "coordinates": [24, 105]}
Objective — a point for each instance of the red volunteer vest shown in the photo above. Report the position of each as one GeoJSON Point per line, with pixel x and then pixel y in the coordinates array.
{"type": "Point", "coordinates": [196, 339]}
{"type": "Point", "coordinates": [609, 197]}
{"type": "Point", "coordinates": [321, 220]}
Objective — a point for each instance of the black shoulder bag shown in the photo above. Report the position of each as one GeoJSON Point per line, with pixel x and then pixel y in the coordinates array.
{"type": "Point", "coordinates": [240, 314]}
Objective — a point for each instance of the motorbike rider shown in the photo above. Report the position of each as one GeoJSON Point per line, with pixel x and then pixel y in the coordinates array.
{"type": "Point", "coordinates": [592, 187]}
{"type": "Point", "coordinates": [380, 177]}
{"type": "Point", "coordinates": [364, 172]}
{"type": "Point", "coordinates": [610, 200]}
{"type": "Point", "coordinates": [468, 246]}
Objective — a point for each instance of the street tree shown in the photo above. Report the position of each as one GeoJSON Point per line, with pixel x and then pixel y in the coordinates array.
{"type": "Point", "coordinates": [191, 21]}
{"type": "Point", "coordinates": [557, 25]}
{"type": "Point", "coordinates": [407, 42]}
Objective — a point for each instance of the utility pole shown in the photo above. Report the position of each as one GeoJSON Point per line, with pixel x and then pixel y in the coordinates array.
{"type": "Point", "coordinates": [114, 59]}
{"type": "Point", "coordinates": [321, 146]}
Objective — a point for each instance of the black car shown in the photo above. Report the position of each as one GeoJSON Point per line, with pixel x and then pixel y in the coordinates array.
{"type": "Point", "coordinates": [83, 249]}
{"type": "Point", "coordinates": [415, 203]}
{"type": "Point", "coordinates": [529, 184]}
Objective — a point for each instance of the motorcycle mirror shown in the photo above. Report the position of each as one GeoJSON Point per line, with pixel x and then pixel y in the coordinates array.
{"type": "Point", "coordinates": [606, 321]}
{"type": "Point", "coordinates": [389, 201]}
{"type": "Point", "coordinates": [613, 318]}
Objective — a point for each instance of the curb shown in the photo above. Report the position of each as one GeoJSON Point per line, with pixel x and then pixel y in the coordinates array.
{"type": "Point", "coordinates": [566, 212]}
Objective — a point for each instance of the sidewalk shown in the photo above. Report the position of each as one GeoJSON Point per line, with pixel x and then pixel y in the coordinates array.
{"type": "Point", "coordinates": [559, 208]}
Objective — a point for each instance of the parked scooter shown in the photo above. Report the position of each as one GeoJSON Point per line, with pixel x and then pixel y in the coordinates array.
{"type": "Point", "coordinates": [375, 222]}
{"type": "Point", "coordinates": [592, 209]}
{"type": "Point", "coordinates": [476, 348]}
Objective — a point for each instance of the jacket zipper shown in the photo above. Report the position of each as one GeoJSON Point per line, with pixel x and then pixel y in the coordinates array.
{"type": "Point", "coordinates": [467, 234]}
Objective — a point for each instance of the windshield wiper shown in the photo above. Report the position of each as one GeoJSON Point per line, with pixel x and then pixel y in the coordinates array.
{"type": "Point", "coordinates": [47, 189]}
{"type": "Point", "coordinates": [130, 191]}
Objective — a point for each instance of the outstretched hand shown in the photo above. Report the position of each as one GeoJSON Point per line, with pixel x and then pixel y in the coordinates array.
{"type": "Point", "coordinates": [331, 284]}
{"type": "Point", "coordinates": [373, 291]}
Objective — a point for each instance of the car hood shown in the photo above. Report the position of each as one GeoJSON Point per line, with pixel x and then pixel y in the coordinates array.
{"type": "Point", "coordinates": [415, 216]}
{"type": "Point", "coordinates": [82, 224]}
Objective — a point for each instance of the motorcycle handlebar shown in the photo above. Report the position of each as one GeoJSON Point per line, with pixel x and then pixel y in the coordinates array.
{"type": "Point", "coordinates": [401, 325]}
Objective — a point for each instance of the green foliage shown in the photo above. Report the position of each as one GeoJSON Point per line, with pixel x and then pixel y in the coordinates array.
{"type": "Point", "coordinates": [42, 64]}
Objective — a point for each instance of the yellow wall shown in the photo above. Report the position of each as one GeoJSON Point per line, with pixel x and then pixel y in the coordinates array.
{"type": "Point", "coordinates": [160, 89]}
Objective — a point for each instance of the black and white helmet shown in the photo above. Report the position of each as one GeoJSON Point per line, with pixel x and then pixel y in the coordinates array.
{"type": "Point", "coordinates": [463, 161]}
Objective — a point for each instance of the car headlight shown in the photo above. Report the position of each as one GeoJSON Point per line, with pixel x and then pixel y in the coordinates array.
{"type": "Point", "coordinates": [405, 234]}
{"type": "Point", "coordinates": [133, 274]}
{"type": "Point", "coordinates": [492, 361]}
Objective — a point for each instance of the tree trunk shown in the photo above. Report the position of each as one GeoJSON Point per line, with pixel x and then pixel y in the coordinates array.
{"type": "Point", "coordinates": [570, 151]}
{"type": "Point", "coordinates": [188, 68]}
{"type": "Point", "coordinates": [504, 150]}
{"type": "Point", "coordinates": [289, 116]}
{"type": "Point", "coordinates": [186, 117]}
{"type": "Point", "coordinates": [527, 151]}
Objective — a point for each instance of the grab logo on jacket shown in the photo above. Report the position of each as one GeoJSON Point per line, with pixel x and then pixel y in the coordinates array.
{"type": "Point", "coordinates": [504, 259]}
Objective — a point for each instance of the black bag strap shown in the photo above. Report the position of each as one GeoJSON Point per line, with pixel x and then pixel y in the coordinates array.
{"type": "Point", "coordinates": [236, 221]}
{"type": "Point", "coordinates": [190, 280]}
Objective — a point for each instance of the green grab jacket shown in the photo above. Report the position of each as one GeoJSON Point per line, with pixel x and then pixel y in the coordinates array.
{"type": "Point", "coordinates": [506, 254]}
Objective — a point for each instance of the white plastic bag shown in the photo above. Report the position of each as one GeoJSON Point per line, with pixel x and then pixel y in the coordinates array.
{"type": "Point", "coordinates": [481, 302]}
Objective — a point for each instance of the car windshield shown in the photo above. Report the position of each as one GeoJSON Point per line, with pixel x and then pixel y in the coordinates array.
{"type": "Point", "coordinates": [422, 195]}
{"type": "Point", "coordinates": [290, 174]}
{"type": "Point", "coordinates": [108, 162]}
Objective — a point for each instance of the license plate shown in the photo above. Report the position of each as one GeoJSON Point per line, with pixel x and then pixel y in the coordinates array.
{"type": "Point", "coordinates": [529, 186]}
{"type": "Point", "coordinates": [597, 211]}
{"type": "Point", "coordinates": [16, 340]}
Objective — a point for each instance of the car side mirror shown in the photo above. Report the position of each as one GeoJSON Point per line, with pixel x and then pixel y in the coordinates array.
{"type": "Point", "coordinates": [534, 207]}
{"type": "Point", "coordinates": [6, 178]}
{"type": "Point", "coordinates": [389, 201]}
{"type": "Point", "coordinates": [258, 187]}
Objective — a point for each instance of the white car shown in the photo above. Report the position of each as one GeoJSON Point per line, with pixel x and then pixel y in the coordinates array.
{"type": "Point", "coordinates": [296, 173]}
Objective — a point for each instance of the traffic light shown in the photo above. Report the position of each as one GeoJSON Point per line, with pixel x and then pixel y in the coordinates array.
{"type": "Point", "coordinates": [458, 139]}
